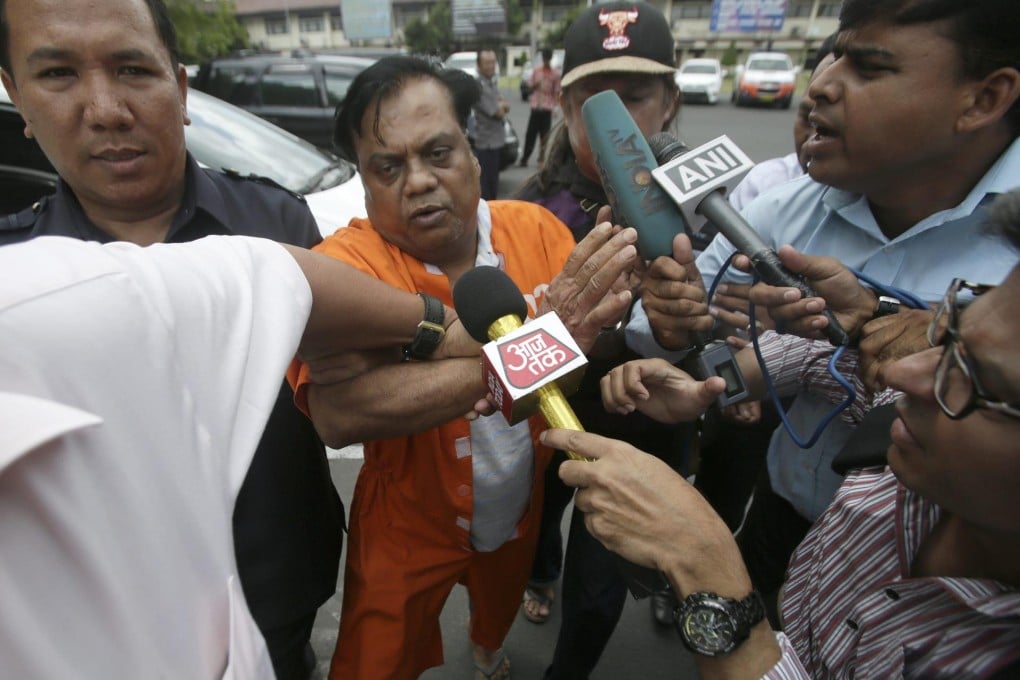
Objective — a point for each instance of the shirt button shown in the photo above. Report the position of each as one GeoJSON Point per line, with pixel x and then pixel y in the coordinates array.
{"type": "Point", "coordinates": [853, 624]}
{"type": "Point", "coordinates": [892, 594]}
{"type": "Point", "coordinates": [463, 490]}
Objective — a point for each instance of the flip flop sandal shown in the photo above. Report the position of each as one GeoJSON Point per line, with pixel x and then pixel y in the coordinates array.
{"type": "Point", "coordinates": [499, 668]}
{"type": "Point", "coordinates": [535, 596]}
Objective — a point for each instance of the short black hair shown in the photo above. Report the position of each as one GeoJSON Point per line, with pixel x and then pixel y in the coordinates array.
{"type": "Point", "coordinates": [160, 16]}
{"type": "Point", "coordinates": [386, 78]}
{"type": "Point", "coordinates": [985, 31]}
{"type": "Point", "coordinates": [547, 56]}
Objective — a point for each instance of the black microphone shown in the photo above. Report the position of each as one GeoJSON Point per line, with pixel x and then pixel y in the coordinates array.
{"type": "Point", "coordinates": [697, 180]}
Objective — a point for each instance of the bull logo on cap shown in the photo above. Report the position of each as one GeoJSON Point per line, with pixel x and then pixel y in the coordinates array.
{"type": "Point", "coordinates": [617, 22]}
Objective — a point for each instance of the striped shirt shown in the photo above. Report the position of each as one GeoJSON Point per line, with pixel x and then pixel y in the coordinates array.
{"type": "Point", "coordinates": [853, 610]}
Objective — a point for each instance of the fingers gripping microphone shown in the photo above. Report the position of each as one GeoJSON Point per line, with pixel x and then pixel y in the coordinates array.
{"type": "Point", "coordinates": [698, 181]}
{"type": "Point", "coordinates": [625, 164]}
{"type": "Point", "coordinates": [528, 366]}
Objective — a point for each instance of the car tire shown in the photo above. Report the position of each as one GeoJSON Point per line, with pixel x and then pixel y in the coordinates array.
{"type": "Point", "coordinates": [786, 102]}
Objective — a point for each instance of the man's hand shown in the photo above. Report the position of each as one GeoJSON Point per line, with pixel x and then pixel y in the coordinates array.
{"type": "Point", "coordinates": [837, 288]}
{"type": "Point", "coordinates": [336, 368]}
{"type": "Point", "coordinates": [641, 509]}
{"type": "Point", "coordinates": [673, 296]}
{"type": "Point", "coordinates": [585, 293]}
{"type": "Point", "coordinates": [659, 390]}
{"type": "Point", "coordinates": [888, 339]}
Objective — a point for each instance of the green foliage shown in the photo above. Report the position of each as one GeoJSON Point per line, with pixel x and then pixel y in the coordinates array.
{"type": "Point", "coordinates": [434, 36]}
{"type": "Point", "coordinates": [729, 57]}
{"type": "Point", "coordinates": [206, 29]}
{"type": "Point", "coordinates": [554, 36]}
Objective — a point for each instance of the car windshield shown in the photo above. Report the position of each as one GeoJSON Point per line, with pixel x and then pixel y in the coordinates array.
{"type": "Point", "coordinates": [461, 62]}
{"type": "Point", "coordinates": [769, 65]}
{"type": "Point", "coordinates": [699, 68]}
{"type": "Point", "coordinates": [222, 136]}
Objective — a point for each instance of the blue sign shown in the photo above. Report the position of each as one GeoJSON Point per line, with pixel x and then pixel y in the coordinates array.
{"type": "Point", "coordinates": [747, 16]}
{"type": "Point", "coordinates": [366, 19]}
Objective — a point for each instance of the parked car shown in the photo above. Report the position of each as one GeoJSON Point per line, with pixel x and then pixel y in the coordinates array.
{"type": "Point", "coordinates": [700, 80]}
{"type": "Point", "coordinates": [299, 94]}
{"type": "Point", "coordinates": [766, 78]}
{"type": "Point", "coordinates": [529, 67]}
{"type": "Point", "coordinates": [465, 61]}
{"type": "Point", "coordinates": [220, 136]}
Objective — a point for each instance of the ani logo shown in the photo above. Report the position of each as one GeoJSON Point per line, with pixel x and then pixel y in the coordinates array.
{"type": "Point", "coordinates": [529, 358]}
{"type": "Point", "coordinates": [617, 23]}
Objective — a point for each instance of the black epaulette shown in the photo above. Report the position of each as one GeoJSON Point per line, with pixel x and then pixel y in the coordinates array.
{"type": "Point", "coordinates": [25, 219]}
{"type": "Point", "coordinates": [268, 181]}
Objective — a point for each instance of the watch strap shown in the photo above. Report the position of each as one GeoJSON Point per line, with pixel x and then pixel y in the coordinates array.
{"type": "Point", "coordinates": [430, 330]}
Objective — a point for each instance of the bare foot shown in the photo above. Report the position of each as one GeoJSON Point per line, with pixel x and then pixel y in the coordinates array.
{"type": "Point", "coordinates": [537, 605]}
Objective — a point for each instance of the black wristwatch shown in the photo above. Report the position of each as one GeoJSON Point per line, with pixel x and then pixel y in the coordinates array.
{"type": "Point", "coordinates": [712, 625]}
{"type": "Point", "coordinates": [885, 307]}
{"type": "Point", "coordinates": [430, 330]}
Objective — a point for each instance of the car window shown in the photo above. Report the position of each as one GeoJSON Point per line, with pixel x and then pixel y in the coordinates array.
{"type": "Point", "coordinates": [699, 68]}
{"type": "Point", "coordinates": [232, 83]}
{"type": "Point", "coordinates": [769, 65]}
{"type": "Point", "coordinates": [337, 84]}
{"type": "Point", "coordinates": [289, 88]}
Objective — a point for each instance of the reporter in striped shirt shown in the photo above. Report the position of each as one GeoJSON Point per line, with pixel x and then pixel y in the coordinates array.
{"type": "Point", "coordinates": [914, 569]}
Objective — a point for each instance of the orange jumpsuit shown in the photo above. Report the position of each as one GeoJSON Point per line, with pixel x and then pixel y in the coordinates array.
{"type": "Point", "coordinates": [409, 540]}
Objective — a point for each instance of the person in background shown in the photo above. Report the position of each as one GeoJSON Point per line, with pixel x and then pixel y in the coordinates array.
{"type": "Point", "coordinates": [441, 499]}
{"type": "Point", "coordinates": [134, 386]}
{"type": "Point", "coordinates": [545, 96]}
{"type": "Point", "coordinates": [101, 88]}
{"type": "Point", "coordinates": [490, 110]}
{"type": "Point", "coordinates": [897, 188]}
{"type": "Point", "coordinates": [913, 570]}
{"type": "Point", "coordinates": [638, 64]}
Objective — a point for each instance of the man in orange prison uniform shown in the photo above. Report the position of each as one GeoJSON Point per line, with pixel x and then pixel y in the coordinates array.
{"type": "Point", "coordinates": [441, 499]}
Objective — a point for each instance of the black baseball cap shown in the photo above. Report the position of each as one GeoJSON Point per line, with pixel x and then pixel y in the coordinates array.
{"type": "Point", "coordinates": [619, 37]}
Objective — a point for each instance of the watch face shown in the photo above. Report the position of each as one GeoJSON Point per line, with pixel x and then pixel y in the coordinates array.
{"type": "Point", "coordinates": [709, 629]}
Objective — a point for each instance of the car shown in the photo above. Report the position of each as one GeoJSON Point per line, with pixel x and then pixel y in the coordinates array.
{"type": "Point", "coordinates": [466, 62]}
{"type": "Point", "coordinates": [220, 136]}
{"type": "Point", "coordinates": [297, 93]}
{"type": "Point", "coordinates": [700, 80]}
{"type": "Point", "coordinates": [529, 67]}
{"type": "Point", "coordinates": [766, 78]}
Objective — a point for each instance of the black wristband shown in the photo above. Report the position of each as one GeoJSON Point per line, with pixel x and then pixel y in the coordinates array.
{"type": "Point", "coordinates": [430, 330]}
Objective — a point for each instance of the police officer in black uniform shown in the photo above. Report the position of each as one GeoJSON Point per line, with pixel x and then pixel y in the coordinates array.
{"type": "Point", "coordinates": [110, 116]}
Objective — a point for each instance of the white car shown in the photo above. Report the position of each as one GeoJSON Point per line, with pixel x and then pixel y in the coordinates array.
{"type": "Point", "coordinates": [224, 137]}
{"type": "Point", "coordinates": [766, 78]}
{"type": "Point", "coordinates": [700, 80]}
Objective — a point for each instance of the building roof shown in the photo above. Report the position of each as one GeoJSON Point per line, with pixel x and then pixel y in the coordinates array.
{"type": "Point", "coordinates": [268, 6]}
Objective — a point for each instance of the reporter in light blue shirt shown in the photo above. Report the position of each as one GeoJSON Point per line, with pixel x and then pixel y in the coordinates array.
{"type": "Point", "coordinates": [820, 220]}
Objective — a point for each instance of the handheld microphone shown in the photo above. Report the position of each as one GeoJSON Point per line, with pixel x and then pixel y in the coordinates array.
{"type": "Point", "coordinates": [625, 164]}
{"type": "Point", "coordinates": [698, 181]}
{"type": "Point", "coordinates": [528, 366]}
{"type": "Point", "coordinates": [491, 308]}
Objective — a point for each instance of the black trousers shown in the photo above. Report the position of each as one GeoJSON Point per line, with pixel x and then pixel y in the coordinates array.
{"type": "Point", "coordinates": [488, 159]}
{"type": "Point", "coordinates": [539, 123]}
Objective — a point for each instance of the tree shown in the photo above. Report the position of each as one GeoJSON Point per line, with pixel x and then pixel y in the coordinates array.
{"type": "Point", "coordinates": [554, 36]}
{"type": "Point", "coordinates": [433, 36]}
{"type": "Point", "coordinates": [206, 28]}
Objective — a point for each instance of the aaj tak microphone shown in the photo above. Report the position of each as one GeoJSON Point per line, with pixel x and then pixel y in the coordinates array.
{"type": "Point", "coordinates": [625, 164]}
{"type": "Point", "coordinates": [528, 366]}
{"type": "Point", "coordinates": [698, 180]}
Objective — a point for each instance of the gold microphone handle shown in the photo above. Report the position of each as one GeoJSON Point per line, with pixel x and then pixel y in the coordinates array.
{"type": "Point", "coordinates": [557, 412]}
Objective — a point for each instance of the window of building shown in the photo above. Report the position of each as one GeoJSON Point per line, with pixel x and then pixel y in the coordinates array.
{"type": "Point", "coordinates": [336, 22]}
{"type": "Point", "coordinates": [311, 24]}
{"type": "Point", "coordinates": [277, 26]}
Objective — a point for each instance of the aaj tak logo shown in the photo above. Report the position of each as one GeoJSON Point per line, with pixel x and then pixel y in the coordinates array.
{"type": "Point", "coordinates": [617, 23]}
{"type": "Point", "coordinates": [528, 359]}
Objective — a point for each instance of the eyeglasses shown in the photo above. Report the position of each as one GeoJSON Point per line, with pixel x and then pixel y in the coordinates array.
{"type": "Point", "coordinates": [958, 390]}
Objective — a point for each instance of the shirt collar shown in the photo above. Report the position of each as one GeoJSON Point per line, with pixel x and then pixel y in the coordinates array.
{"type": "Point", "coordinates": [485, 255]}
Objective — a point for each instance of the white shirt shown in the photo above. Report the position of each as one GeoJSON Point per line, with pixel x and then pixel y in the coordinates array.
{"type": "Point", "coordinates": [135, 386]}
